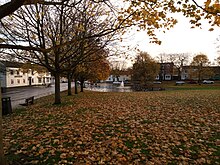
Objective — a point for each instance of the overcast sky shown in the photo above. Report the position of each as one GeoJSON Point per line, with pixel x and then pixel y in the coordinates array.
{"type": "Point", "coordinates": [180, 39]}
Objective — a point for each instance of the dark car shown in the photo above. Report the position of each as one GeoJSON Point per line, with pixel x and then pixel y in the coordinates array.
{"type": "Point", "coordinates": [192, 82]}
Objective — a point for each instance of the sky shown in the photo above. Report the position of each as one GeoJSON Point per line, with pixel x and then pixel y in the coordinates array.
{"type": "Point", "coordinates": [180, 39]}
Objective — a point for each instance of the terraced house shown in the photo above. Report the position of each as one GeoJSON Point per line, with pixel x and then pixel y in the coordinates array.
{"type": "Point", "coordinates": [14, 75]}
{"type": "Point", "coordinates": [209, 72]}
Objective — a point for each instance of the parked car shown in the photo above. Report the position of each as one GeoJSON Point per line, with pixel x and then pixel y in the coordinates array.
{"type": "Point", "coordinates": [208, 82]}
{"type": "Point", "coordinates": [156, 82]}
{"type": "Point", "coordinates": [192, 82]}
{"type": "Point", "coordinates": [116, 82]}
{"type": "Point", "coordinates": [180, 82]}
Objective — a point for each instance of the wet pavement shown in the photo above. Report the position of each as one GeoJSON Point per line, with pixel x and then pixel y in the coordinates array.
{"type": "Point", "coordinates": [19, 94]}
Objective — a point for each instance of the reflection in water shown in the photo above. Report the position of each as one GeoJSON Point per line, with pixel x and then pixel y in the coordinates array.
{"type": "Point", "coordinates": [104, 87]}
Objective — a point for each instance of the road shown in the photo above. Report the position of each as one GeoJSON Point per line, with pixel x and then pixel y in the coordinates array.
{"type": "Point", "coordinates": [18, 95]}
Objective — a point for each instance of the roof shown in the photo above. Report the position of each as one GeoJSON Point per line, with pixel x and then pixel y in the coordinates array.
{"type": "Point", "coordinates": [11, 64]}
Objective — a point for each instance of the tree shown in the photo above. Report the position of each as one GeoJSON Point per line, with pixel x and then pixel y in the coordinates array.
{"type": "Point", "coordinates": [179, 61]}
{"type": "Point", "coordinates": [200, 65]}
{"type": "Point", "coordinates": [117, 67]}
{"type": "Point", "coordinates": [144, 69]}
{"type": "Point", "coordinates": [26, 66]}
{"type": "Point", "coordinates": [44, 37]}
{"type": "Point", "coordinates": [218, 50]}
{"type": "Point", "coordinates": [152, 14]}
{"type": "Point", "coordinates": [13, 5]}
{"type": "Point", "coordinates": [93, 71]}
{"type": "Point", "coordinates": [93, 57]}
{"type": "Point", "coordinates": [56, 37]}
{"type": "Point", "coordinates": [218, 60]}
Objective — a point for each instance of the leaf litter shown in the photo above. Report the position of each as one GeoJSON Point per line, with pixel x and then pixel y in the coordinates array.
{"type": "Point", "coordinates": [175, 127]}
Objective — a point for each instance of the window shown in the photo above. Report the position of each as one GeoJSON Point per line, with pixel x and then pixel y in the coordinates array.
{"type": "Point", "coordinates": [39, 80]}
{"type": "Point", "coordinates": [24, 81]}
{"type": "Point", "coordinates": [18, 81]}
{"type": "Point", "coordinates": [11, 72]}
{"type": "Point", "coordinates": [32, 80]}
{"type": "Point", "coordinates": [17, 72]}
{"type": "Point", "coordinates": [12, 81]}
{"type": "Point", "coordinates": [48, 79]}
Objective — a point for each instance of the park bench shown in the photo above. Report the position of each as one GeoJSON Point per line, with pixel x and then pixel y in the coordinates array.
{"type": "Point", "coordinates": [48, 85]}
{"type": "Point", "coordinates": [28, 101]}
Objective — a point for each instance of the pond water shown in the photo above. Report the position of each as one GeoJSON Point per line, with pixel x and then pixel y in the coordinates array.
{"type": "Point", "coordinates": [107, 87]}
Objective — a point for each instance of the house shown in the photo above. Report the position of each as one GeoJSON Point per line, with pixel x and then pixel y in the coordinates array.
{"type": "Point", "coordinates": [2, 76]}
{"type": "Point", "coordinates": [166, 71]}
{"type": "Point", "coordinates": [121, 76]}
{"type": "Point", "coordinates": [191, 73]}
{"type": "Point", "coordinates": [13, 75]}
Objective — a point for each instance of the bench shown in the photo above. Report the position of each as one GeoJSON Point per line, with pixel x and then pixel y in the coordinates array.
{"type": "Point", "coordinates": [28, 101]}
{"type": "Point", "coordinates": [48, 85]}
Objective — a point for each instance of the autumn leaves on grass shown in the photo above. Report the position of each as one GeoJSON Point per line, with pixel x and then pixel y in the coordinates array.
{"type": "Point", "coordinates": [118, 128]}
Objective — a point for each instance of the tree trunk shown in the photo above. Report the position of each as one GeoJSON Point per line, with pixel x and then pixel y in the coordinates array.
{"type": "Point", "coordinates": [76, 92]}
{"type": "Point", "coordinates": [81, 86]}
{"type": "Point", "coordinates": [69, 85]}
{"type": "Point", "coordinates": [199, 77]}
{"type": "Point", "coordinates": [57, 88]}
{"type": "Point", "coordinates": [179, 74]}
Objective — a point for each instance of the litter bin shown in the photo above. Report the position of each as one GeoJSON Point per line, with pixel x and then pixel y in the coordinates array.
{"type": "Point", "coordinates": [6, 106]}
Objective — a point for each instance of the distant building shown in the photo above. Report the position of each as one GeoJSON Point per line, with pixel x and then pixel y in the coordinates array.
{"type": "Point", "coordinates": [122, 76]}
{"type": "Point", "coordinates": [119, 78]}
{"type": "Point", "coordinates": [191, 73]}
{"type": "Point", "coordinates": [12, 75]}
{"type": "Point", "coordinates": [166, 71]}
{"type": "Point", "coordinates": [169, 72]}
{"type": "Point", "coordinates": [2, 76]}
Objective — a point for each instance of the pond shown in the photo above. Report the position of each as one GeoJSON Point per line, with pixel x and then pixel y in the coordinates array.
{"type": "Point", "coordinates": [108, 87]}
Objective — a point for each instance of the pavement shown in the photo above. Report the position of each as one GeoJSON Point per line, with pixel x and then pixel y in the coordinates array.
{"type": "Point", "coordinates": [19, 94]}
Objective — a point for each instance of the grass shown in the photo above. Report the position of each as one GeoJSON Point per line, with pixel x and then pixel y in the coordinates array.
{"type": "Point", "coordinates": [171, 85]}
{"type": "Point", "coordinates": [166, 127]}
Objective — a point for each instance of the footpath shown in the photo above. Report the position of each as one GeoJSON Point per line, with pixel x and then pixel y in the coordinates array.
{"type": "Point", "coordinates": [19, 94]}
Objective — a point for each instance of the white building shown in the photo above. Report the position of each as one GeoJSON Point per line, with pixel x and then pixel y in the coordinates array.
{"type": "Point", "coordinates": [16, 76]}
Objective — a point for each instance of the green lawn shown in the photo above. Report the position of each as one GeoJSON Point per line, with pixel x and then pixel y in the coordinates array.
{"type": "Point", "coordinates": [165, 127]}
{"type": "Point", "coordinates": [171, 85]}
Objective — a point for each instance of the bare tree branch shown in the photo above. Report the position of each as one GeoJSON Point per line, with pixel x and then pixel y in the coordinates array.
{"type": "Point", "coordinates": [209, 12]}
{"type": "Point", "coordinates": [7, 46]}
{"type": "Point", "coordinates": [9, 7]}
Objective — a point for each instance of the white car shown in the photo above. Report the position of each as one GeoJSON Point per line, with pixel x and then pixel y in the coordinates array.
{"type": "Point", "coordinates": [116, 82]}
{"type": "Point", "coordinates": [156, 82]}
{"type": "Point", "coordinates": [180, 82]}
{"type": "Point", "coordinates": [208, 82]}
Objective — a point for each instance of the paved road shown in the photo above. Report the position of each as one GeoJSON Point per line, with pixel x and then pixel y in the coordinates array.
{"type": "Point", "coordinates": [18, 95]}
